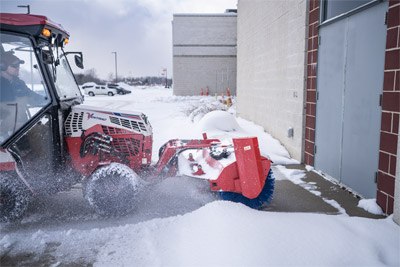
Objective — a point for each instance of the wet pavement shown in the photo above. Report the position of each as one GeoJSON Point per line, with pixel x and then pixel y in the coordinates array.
{"type": "Point", "coordinates": [290, 197]}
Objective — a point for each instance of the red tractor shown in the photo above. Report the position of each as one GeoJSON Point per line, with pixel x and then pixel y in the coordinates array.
{"type": "Point", "coordinates": [49, 141]}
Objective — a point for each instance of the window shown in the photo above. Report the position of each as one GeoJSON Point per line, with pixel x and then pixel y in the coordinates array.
{"type": "Point", "coordinates": [63, 78]}
{"type": "Point", "coordinates": [333, 8]}
{"type": "Point", "coordinates": [36, 149]}
{"type": "Point", "coordinates": [23, 92]}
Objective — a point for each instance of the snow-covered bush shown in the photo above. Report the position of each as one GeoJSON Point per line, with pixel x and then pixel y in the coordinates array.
{"type": "Point", "coordinates": [197, 112]}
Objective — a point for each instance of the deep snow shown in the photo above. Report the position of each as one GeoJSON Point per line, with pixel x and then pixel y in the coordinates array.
{"type": "Point", "coordinates": [179, 223]}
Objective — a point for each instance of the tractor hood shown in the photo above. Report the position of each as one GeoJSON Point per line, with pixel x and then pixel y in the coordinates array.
{"type": "Point", "coordinates": [83, 117]}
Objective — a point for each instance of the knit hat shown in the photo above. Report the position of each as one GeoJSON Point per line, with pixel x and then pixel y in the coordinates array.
{"type": "Point", "coordinates": [9, 59]}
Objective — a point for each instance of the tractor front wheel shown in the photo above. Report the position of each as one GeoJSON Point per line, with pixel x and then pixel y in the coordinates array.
{"type": "Point", "coordinates": [113, 189]}
{"type": "Point", "coordinates": [14, 198]}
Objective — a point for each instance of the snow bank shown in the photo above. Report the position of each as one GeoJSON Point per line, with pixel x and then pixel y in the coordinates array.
{"type": "Point", "coordinates": [217, 121]}
{"type": "Point", "coordinates": [230, 234]}
{"type": "Point", "coordinates": [370, 206]}
{"type": "Point", "coordinates": [224, 234]}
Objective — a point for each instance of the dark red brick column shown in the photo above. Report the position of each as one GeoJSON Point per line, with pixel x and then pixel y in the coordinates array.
{"type": "Point", "coordinates": [390, 112]}
{"type": "Point", "coordinates": [311, 94]}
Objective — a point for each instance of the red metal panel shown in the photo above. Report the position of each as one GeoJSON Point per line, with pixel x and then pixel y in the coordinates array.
{"type": "Point", "coordinates": [254, 168]}
{"type": "Point", "coordinates": [7, 166]}
{"type": "Point", "coordinates": [249, 165]}
{"type": "Point", "coordinates": [27, 19]}
{"type": "Point", "coordinates": [228, 180]}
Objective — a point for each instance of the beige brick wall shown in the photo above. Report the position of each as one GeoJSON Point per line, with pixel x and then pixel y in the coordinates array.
{"type": "Point", "coordinates": [191, 74]}
{"type": "Point", "coordinates": [204, 29]}
{"type": "Point", "coordinates": [204, 51]}
{"type": "Point", "coordinates": [271, 67]}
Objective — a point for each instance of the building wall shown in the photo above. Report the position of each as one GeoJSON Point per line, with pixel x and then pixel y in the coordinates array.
{"type": "Point", "coordinates": [204, 53]}
{"type": "Point", "coordinates": [192, 74]}
{"type": "Point", "coordinates": [388, 151]}
{"type": "Point", "coordinates": [271, 68]}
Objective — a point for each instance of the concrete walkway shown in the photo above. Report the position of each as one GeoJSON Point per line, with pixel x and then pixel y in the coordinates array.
{"type": "Point", "coordinates": [290, 197]}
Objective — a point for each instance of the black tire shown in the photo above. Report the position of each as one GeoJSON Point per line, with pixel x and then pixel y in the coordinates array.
{"type": "Point", "coordinates": [121, 93]}
{"type": "Point", "coordinates": [110, 93]}
{"type": "Point", "coordinates": [14, 198]}
{"type": "Point", "coordinates": [91, 93]}
{"type": "Point", "coordinates": [113, 189]}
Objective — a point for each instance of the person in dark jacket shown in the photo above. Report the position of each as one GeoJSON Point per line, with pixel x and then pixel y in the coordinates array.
{"type": "Point", "coordinates": [12, 86]}
{"type": "Point", "coordinates": [15, 96]}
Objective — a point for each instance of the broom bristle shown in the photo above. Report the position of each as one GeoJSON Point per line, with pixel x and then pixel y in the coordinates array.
{"type": "Point", "coordinates": [264, 198]}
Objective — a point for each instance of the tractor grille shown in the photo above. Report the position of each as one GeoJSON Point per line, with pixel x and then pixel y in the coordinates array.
{"type": "Point", "coordinates": [130, 124]}
{"type": "Point", "coordinates": [111, 130]}
{"type": "Point", "coordinates": [73, 123]}
{"type": "Point", "coordinates": [127, 146]}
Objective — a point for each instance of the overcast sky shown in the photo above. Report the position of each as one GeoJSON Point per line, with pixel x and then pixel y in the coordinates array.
{"type": "Point", "coordinates": [140, 31]}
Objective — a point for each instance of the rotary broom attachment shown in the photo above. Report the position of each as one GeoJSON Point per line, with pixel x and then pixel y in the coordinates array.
{"type": "Point", "coordinates": [238, 171]}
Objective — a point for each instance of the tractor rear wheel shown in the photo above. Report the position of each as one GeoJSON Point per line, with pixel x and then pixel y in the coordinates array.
{"type": "Point", "coordinates": [14, 198]}
{"type": "Point", "coordinates": [263, 199]}
{"type": "Point", "coordinates": [113, 189]}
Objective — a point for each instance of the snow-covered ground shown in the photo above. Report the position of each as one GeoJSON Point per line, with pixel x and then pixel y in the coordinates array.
{"type": "Point", "coordinates": [179, 223]}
